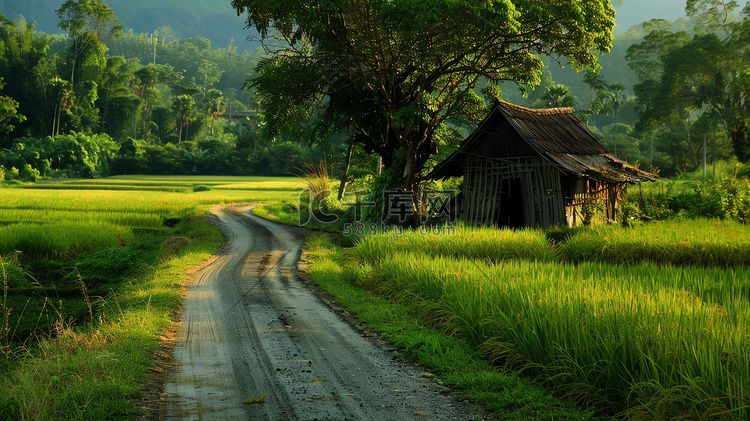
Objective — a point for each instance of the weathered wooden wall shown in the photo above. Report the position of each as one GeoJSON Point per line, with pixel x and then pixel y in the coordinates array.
{"type": "Point", "coordinates": [541, 190]}
{"type": "Point", "coordinates": [547, 197]}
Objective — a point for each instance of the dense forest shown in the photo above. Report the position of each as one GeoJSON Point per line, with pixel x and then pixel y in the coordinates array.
{"type": "Point", "coordinates": [100, 103]}
{"type": "Point", "coordinates": [104, 100]}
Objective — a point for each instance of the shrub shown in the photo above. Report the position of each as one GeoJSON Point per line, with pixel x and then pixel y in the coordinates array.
{"type": "Point", "coordinates": [201, 188]}
{"type": "Point", "coordinates": [627, 214]}
{"type": "Point", "coordinates": [28, 173]}
{"type": "Point", "coordinates": [11, 274]}
{"type": "Point", "coordinates": [12, 174]}
{"type": "Point", "coordinates": [728, 199]}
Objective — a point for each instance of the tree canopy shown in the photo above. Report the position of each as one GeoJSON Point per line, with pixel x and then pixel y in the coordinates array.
{"type": "Point", "coordinates": [703, 78]}
{"type": "Point", "coordinates": [393, 73]}
{"type": "Point", "coordinates": [93, 16]}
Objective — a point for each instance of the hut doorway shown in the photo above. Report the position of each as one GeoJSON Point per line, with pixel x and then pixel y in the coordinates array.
{"type": "Point", "coordinates": [510, 212]}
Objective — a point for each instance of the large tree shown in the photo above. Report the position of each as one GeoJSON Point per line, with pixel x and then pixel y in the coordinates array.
{"type": "Point", "coordinates": [392, 72]}
{"type": "Point", "coordinates": [79, 16]}
{"type": "Point", "coordinates": [683, 78]}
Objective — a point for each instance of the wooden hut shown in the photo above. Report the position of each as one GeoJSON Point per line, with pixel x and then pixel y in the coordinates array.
{"type": "Point", "coordinates": [527, 167]}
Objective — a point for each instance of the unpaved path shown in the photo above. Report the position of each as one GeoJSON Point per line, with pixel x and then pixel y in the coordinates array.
{"type": "Point", "coordinates": [251, 332]}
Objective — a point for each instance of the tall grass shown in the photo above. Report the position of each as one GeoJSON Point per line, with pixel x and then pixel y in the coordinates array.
{"type": "Point", "coordinates": [61, 241]}
{"type": "Point", "coordinates": [315, 178]}
{"type": "Point", "coordinates": [647, 339]}
{"type": "Point", "coordinates": [468, 242]}
{"type": "Point", "coordinates": [5, 327]}
{"type": "Point", "coordinates": [452, 359]}
{"type": "Point", "coordinates": [699, 242]}
{"type": "Point", "coordinates": [127, 218]}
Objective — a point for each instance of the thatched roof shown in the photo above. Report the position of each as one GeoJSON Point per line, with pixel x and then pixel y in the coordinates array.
{"type": "Point", "coordinates": [556, 134]}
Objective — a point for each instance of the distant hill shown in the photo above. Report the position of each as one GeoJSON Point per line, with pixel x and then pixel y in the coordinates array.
{"type": "Point", "coordinates": [215, 20]}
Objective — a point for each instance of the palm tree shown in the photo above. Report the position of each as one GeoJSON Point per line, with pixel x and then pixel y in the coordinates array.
{"type": "Point", "coordinates": [558, 96]}
{"type": "Point", "coordinates": [609, 99]}
{"type": "Point", "coordinates": [63, 102]}
{"type": "Point", "coordinates": [184, 105]}
{"type": "Point", "coordinates": [215, 106]}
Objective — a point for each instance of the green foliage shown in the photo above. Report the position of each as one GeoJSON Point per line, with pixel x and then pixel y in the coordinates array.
{"type": "Point", "coordinates": [683, 78]}
{"type": "Point", "coordinates": [8, 111]}
{"type": "Point", "coordinates": [590, 211]}
{"type": "Point", "coordinates": [73, 84]}
{"type": "Point", "coordinates": [416, 65]}
{"type": "Point", "coordinates": [728, 198]}
{"type": "Point", "coordinates": [28, 173]}
{"type": "Point", "coordinates": [557, 96]}
{"type": "Point", "coordinates": [88, 15]}
{"type": "Point", "coordinates": [628, 213]}
{"type": "Point", "coordinates": [12, 174]}
{"type": "Point", "coordinates": [23, 65]}
{"type": "Point", "coordinates": [12, 278]}
{"type": "Point", "coordinates": [184, 56]}
{"type": "Point", "coordinates": [71, 155]}
{"type": "Point", "coordinates": [79, 155]}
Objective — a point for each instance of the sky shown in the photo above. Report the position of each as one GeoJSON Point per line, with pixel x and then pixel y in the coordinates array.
{"type": "Point", "coordinates": [633, 12]}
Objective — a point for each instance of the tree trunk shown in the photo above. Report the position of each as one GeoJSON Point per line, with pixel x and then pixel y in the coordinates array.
{"type": "Point", "coordinates": [54, 120]}
{"type": "Point", "coordinates": [411, 183]}
{"type": "Point", "coordinates": [740, 145]}
{"type": "Point", "coordinates": [345, 176]}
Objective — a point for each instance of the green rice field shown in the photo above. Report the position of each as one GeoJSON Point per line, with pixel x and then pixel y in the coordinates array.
{"type": "Point", "coordinates": [651, 322]}
{"type": "Point", "coordinates": [645, 322]}
{"type": "Point", "coordinates": [65, 219]}
{"type": "Point", "coordinates": [91, 274]}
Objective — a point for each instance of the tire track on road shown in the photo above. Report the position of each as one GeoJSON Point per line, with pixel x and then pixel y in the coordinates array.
{"type": "Point", "coordinates": [250, 328]}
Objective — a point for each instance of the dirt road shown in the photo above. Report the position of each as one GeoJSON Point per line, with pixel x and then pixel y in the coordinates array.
{"type": "Point", "coordinates": [256, 344]}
